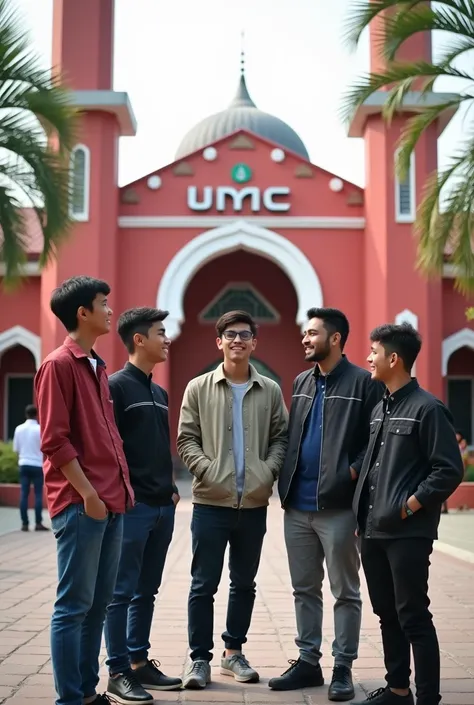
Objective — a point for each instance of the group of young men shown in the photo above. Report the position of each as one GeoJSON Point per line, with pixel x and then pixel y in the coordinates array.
{"type": "Point", "coordinates": [363, 464]}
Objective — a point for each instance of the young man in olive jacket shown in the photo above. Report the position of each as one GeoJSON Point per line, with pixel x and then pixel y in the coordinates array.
{"type": "Point", "coordinates": [232, 437]}
{"type": "Point", "coordinates": [328, 434]}
{"type": "Point", "coordinates": [412, 466]}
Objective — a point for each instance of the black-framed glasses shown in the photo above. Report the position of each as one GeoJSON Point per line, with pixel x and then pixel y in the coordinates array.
{"type": "Point", "coordinates": [244, 335]}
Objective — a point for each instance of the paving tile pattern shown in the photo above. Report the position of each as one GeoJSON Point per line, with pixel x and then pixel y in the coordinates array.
{"type": "Point", "coordinates": [27, 586]}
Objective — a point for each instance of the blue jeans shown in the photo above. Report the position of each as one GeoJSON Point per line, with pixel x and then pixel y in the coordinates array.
{"type": "Point", "coordinates": [212, 528]}
{"type": "Point", "coordinates": [147, 534]}
{"type": "Point", "coordinates": [88, 553]}
{"type": "Point", "coordinates": [31, 474]}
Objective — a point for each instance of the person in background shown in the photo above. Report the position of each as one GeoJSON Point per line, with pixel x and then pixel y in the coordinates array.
{"type": "Point", "coordinates": [411, 467]}
{"type": "Point", "coordinates": [26, 442]}
{"type": "Point", "coordinates": [141, 412]}
{"type": "Point", "coordinates": [232, 438]}
{"type": "Point", "coordinates": [328, 434]}
{"type": "Point", "coordinates": [87, 486]}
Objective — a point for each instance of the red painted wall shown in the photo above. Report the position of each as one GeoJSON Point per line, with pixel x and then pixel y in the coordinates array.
{"type": "Point", "coordinates": [21, 307]}
{"type": "Point", "coordinates": [454, 309]}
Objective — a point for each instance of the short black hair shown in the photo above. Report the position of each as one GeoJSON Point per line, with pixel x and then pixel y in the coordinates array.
{"type": "Point", "coordinates": [402, 339]}
{"type": "Point", "coordinates": [74, 293]}
{"type": "Point", "coordinates": [228, 319]}
{"type": "Point", "coordinates": [334, 321]}
{"type": "Point", "coordinates": [31, 412]}
{"type": "Point", "coordinates": [138, 320]}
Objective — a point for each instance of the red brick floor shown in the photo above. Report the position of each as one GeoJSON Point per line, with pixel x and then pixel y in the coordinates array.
{"type": "Point", "coordinates": [27, 584]}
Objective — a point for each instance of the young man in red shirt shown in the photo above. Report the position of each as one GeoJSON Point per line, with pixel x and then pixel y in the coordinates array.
{"type": "Point", "coordinates": [87, 485]}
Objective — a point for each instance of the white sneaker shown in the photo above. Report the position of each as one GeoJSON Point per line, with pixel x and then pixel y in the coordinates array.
{"type": "Point", "coordinates": [238, 667]}
{"type": "Point", "coordinates": [197, 675]}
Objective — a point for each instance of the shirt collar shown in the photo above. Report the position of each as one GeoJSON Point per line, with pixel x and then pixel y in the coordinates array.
{"type": "Point", "coordinates": [401, 393]}
{"type": "Point", "coordinates": [336, 371]}
{"type": "Point", "coordinates": [255, 377]}
{"type": "Point", "coordinates": [30, 421]}
{"type": "Point", "coordinates": [137, 373]}
{"type": "Point", "coordinates": [78, 352]}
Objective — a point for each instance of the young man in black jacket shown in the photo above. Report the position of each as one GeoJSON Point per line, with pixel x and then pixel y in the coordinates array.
{"type": "Point", "coordinates": [411, 467]}
{"type": "Point", "coordinates": [328, 434]}
{"type": "Point", "coordinates": [141, 411]}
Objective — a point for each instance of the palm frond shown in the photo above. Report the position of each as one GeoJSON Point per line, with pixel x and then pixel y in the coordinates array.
{"type": "Point", "coordinates": [35, 107]}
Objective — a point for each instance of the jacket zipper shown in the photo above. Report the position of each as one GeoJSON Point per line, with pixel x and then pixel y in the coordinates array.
{"type": "Point", "coordinates": [321, 448]}
{"type": "Point", "coordinates": [299, 448]}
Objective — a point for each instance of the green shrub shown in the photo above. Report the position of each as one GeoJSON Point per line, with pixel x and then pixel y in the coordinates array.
{"type": "Point", "coordinates": [469, 475]}
{"type": "Point", "coordinates": [8, 464]}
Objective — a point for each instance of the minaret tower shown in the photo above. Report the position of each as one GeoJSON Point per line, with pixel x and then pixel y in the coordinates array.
{"type": "Point", "coordinates": [83, 51]}
{"type": "Point", "coordinates": [394, 290]}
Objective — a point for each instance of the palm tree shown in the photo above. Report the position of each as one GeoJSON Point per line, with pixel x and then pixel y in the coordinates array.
{"type": "Point", "coordinates": [435, 227]}
{"type": "Point", "coordinates": [36, 134]}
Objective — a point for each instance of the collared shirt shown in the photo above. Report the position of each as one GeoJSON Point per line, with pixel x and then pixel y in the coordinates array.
{"type": "Point", "coordinates": [141, 412]}
{"type": "Point", "coordinates": [26, 442]}
{"type": "Point", "coordinates": [77, 421]}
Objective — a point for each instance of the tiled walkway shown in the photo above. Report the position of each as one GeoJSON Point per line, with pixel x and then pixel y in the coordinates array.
{"type": "Point", "coordinates": [27, 583]}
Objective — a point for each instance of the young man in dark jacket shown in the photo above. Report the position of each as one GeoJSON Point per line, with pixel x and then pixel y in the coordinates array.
{"type": "Point", "coordinates": [411, 467]}
{"type": "Point", "coordinates": [328, 434]}
{"type": "Point", "coordinates": [141, 411]}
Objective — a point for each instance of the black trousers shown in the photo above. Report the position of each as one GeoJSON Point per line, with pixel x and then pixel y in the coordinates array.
{"type": "Point", "coordinates": [397, 578]}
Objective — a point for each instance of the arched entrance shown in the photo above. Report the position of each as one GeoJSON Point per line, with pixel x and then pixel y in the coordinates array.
{"type": "Point", "coordinates": [458, 370]}
{"type": "Point", "coordinates": [238, 235]}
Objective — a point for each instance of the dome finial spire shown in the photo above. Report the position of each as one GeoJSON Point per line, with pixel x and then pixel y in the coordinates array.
{"type": "Point", "coordinates": [242, 52]}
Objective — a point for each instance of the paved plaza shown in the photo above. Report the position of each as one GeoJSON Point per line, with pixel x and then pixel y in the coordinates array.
{"type": "Point", "coordinates": [27, 584]}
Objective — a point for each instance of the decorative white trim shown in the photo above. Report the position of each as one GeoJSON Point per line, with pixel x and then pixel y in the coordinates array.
{"type": "Point", "coordinates": [463, 338]}
{"type": "Point", "coordinates": [407, 316]}
{"type": "Point", "coordinates": [29, 269]}
{"type": "Point", "coordinates": [17, 335]}
{"type": "Point", "coordinates": [6, 397]}
{"type": "Point", "coordinates": [240, 286]}
{"type": "Point", "coordinates": [238, 235]}
{"type": "Point", "coordinates": [82, 217]}
{"type": "Point", "coordinates": [411, 176]}
{"type": "Point", "coordinates": [215, 221]}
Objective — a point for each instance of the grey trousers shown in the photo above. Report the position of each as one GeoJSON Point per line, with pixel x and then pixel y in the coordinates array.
{"type": "Point", "coordinates": [312, 537]}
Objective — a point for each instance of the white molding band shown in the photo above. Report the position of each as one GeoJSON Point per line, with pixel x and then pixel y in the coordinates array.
{"type": "Point", "coordinates": [464, 338]}
{"type": "Point", "coordinates": [17, 335]}
{"type": "Point", "coordinates": [215, 221]}
{"type": "Point", "coordinates": [238, 235]}
{"type": "Point", "coordinates": [29, 269]}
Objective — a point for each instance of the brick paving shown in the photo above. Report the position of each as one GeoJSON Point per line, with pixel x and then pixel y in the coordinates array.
{"type": "Point", "coordinates": [27, 584]}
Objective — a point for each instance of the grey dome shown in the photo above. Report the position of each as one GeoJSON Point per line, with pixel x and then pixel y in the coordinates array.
{"type": "Point", "coordinates": [242, 113]}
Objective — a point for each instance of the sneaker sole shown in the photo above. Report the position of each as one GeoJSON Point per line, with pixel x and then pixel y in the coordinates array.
{"type": "Point", "coordinates": [240, 679]}
{"type": "Point", "coordinates": [319, 684]}
{"type": "Point", "coordinates": [341, 698]}
{"type": "Point", "coordinates": [193, 684]}
{"type": "Point", "coordinates": [149, 686]}
{"type": "Point", "coordinates": [119, 699]}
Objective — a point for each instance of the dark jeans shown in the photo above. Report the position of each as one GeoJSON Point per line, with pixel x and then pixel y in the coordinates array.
{"type": "Point", "coordinates": [88, 556]}
{"type": "Point", "coordinates": [147, 533]}
{"type": "Point", "coordinates": [31, 475]}
{"type": "Point", "coordinates": [397, 578]}
{"type": "Point", "coordinates": [212, 528]}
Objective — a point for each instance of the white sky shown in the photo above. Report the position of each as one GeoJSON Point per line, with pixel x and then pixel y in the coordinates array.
{"type": "Point", "coordinates": [179, 62]}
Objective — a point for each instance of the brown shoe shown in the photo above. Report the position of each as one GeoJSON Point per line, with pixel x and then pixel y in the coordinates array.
{"type": "Point", "coordinates": [41, 527]}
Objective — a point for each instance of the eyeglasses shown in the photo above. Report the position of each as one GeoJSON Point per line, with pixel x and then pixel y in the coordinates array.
{"type": "Point", "coordinates": [245, 335]}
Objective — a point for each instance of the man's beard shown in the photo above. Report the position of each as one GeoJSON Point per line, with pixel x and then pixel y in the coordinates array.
{"type": "Point", "coordinates": [320, 355]}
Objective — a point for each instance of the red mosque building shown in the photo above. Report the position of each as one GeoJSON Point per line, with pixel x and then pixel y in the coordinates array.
{"type": "Point", "coordinates": [241, 219]}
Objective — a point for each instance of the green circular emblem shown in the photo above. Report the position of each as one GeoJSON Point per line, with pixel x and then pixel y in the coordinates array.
{"type": "Point", "coordinates": [241, 173]}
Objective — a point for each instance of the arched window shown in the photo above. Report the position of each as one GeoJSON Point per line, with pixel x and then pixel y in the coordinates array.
{"type": "Point", "coordinates": [80, 183]}
{"type": "Point", "coordinates": [405, 195]}
{"type": "Point", "coordinates": [240, 296]}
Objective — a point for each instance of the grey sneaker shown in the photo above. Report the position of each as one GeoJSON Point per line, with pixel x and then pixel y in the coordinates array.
{"type": "Point", "coordinates": [197, 675]}
{"type": "Point", "coordinates": [238, 667]}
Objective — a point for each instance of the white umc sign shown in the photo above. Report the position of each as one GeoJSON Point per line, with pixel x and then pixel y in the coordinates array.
{"type": "Point", "coordinates": [225, 194]}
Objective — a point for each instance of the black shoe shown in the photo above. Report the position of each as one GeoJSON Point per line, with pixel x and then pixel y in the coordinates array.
{"type": "Point", "coordinates": [300, 674]}
{"type": "Point", "coordinates": [25, 527]}
{"type": "Point", "coordinates": [384, 696]}
{"type": "Point", "coordinates": [342, 687]}
{"type": "Point", "coordinates": [152, 678]}
{"type": "Point", "coordinates": [126, 688]}
{"type": "Point", "coordinates": [41, 527]}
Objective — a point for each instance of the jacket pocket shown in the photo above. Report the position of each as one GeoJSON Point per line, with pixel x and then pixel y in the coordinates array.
{"type": "Point", "coordinates": [259, 481]}
{"type": "Point", "coordinates": [215, 484]}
